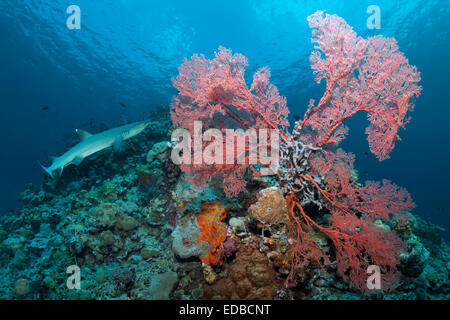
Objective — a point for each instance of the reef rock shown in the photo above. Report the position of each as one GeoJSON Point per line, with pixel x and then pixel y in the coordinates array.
{"type": "Point", "coordinates": [184, 238]}
{"type": "Point", "coordinates": [414, 261]}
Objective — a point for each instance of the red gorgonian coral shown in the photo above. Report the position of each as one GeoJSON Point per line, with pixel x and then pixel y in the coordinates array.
{"type": "Point", "coordinates": [215, 93]}
{"type": "Point", "coordinates": [368, 75]}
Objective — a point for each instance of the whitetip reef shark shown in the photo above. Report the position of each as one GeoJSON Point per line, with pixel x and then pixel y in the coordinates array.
{"type": "Point", "coordinates": [92, 143]}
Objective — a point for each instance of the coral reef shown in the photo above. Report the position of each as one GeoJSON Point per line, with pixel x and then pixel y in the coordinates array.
{"type": "Point", "coordinates": [139, 228]}
{"type": "Point", "coordinates": [121, 235]}
{"type": "Point", "coordinates": [94, 216]}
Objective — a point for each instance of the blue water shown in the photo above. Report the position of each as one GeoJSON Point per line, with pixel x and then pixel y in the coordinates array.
{"type": "Point", "coordinates": [128, 51]}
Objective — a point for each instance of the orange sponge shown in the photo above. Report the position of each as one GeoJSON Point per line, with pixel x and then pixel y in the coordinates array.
{"type": "Point", "coordinates": [213, 230]}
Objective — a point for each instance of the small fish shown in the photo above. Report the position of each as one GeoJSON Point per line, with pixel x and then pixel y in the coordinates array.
{"type": "Point", "coordinates": [366, 173]}
{"type": "Point", "coordinates": [366, 154]}
{"type": "Point", "coordinates": [44, 108]}
{"type": "Point", "coordinates": [181, 204]}
{"type": "Point", "coordinates": [122, 104]}
{"type": "Point", "coordinates": [297, 118]}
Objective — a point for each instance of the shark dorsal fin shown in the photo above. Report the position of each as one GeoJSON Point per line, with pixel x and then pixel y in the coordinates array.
{"type": "Point", "coordinates": [83, 134]}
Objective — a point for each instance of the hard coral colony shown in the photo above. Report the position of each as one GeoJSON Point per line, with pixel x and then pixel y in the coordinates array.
{"type": "Point", "coordinates": [362, 75]}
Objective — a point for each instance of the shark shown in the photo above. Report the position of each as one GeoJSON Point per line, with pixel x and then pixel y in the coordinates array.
{"type": "Point", "coordinates": [93, 143]}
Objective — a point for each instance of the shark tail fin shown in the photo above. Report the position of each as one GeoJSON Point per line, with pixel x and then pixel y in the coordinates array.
{"type": "Point", "coordinates": [46, 170]}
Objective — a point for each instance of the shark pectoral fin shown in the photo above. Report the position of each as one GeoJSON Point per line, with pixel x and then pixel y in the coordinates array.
{"type": "Point", "coordinates": [83, 134]}
{"type": "Point", "coordinates": [77, 160]}
{"type": "Point", "coordinates": [117, 143]}
{"type": "Point", "coordinates": [60, 171]}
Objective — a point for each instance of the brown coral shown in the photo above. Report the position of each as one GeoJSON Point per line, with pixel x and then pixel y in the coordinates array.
{"type": "Point", "coordinates": [213, 230]}
{"type": "Point", "coordinates": [250, 277]}
{"type": "Point", "coordinates": [270, 208]}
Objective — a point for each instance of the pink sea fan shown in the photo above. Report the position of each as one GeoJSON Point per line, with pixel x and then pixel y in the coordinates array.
{"type": "Point", "coordinates": [368, 75]}
{"type": "Point", "coordinates": [214, 92]}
